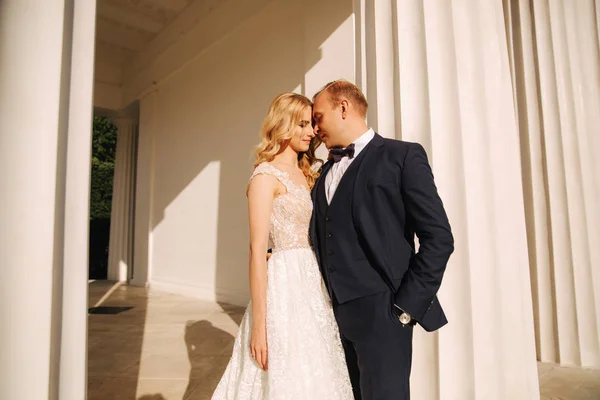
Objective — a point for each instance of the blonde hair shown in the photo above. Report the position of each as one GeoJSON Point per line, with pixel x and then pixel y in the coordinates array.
{"type": "Point", "coordinates": [278, 127]}
{"type": "Point", "coordinates": [343, 88]}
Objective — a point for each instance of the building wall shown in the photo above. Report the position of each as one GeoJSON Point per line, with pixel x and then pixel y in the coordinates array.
{"type": "Point", "coordinates": [205, 120]}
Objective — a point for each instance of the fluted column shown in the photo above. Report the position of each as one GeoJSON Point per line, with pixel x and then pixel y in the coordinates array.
{"type": "Point", "coordinates": [120, 251]}
{"type": "Point", "coordinates": [590, 63]}
{"type": "Point", "coordinates": [455, 97]}
{"type": "Point", "coordinates": [45, 142]}
{"type": "Point", "coordinates": [74, 335]}
{"type": "Point", "coordinates": [376, 62]}
{"type": "Point", "coordinates": [597, 8]}
{"type": "Point", "coordinates": [581, 27]}
{"type": "Point", "coordinates": [582, 186]}
{"type": "Point", "coordinates": [560, 178]}
{"type": "Point", "coordinates": [144, 186]}
{"type": "Point", "coordinates": [415, 125]}
{"type": "Point", "coordinates": [535, 184]}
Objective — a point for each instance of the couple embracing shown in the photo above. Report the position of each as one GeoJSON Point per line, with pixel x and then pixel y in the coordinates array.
{"type": "Point", "coordinates": [333, 309]}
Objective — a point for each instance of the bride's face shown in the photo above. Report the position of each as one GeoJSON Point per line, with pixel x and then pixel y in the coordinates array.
{"type": "Point", "coordinates": [303, 132]}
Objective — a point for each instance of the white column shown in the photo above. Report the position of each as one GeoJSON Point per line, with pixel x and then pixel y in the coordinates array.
{"type": "Point", "coordinates": [568, 289]}
{"type": "Point", "coordinates": [561, 276]}
{"type": "Point", "coordinates": [73, 345]}
{"type": "Point", "coordinates": [583, 199]}
{"type": "Point", "coordinates": [557, 82]}
{"type": "Point", "coordinates": [375, 43]}
{"type": "Point", "coordinates": [453, 346]}
{"type": "Point", "coordinates": [573, 239]}
{"type": "Point", "coordinates": [144, 187]}
{"type": "Point", "coordinates": [457, 99]}
{"type": "Point", "coordinates": [590, 64]}
{"type": "Point", "coordinates": [120, 251]}
{"type": "Point", "coordinates": [597, 8]}
{"type": "Point", "coordinates": [411, 55]}
{"type": "Point", "coordinates": [415, 126]}
{"type": "Point", "coordinates": [525, 81]}
{"type": "Point", "coordinates": [45, 138]}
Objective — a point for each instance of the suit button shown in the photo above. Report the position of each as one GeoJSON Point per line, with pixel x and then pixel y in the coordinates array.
{"type": "Point", "coordinates": [327, 218]}
{"type": "Point", "coordinates": [331, 269]}
{"type": "Point", "coordinates": [329, 236]}
{"type": "Point", "coordinates": [329, 252]}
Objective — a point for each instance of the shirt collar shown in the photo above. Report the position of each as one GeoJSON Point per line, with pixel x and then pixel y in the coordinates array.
{"type": "Point", "coordinates": [363, 141]}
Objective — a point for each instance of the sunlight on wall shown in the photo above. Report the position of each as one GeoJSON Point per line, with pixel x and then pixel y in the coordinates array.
{"type": "Point", "coordinates": [185, 240]}
{"type": "Point", "coordinates": [212, 110]}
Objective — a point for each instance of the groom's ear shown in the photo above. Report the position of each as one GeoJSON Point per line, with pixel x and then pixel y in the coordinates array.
{"type": "Point", "coordinates": [344, 105]}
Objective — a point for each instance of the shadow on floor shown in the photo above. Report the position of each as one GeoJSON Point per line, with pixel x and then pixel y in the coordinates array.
{"type": "Point", "coordinates": [209, 349]}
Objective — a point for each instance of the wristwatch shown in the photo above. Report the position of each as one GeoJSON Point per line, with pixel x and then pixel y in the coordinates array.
{"type": "Point", "coordinates": [404, 317]}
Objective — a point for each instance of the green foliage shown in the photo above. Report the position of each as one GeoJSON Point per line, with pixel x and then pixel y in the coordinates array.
{"type": "Point", "coordinates": [104, 144]}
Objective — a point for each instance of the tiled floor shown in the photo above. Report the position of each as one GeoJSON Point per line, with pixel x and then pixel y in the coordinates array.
{"type": "Point", "coordinates": [563, 383]}
{"type": "Point", "coordinates": [169, 347]}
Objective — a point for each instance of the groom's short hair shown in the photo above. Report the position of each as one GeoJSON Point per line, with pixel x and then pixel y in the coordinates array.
{"type": "Point", "coordinates": [343, 88]}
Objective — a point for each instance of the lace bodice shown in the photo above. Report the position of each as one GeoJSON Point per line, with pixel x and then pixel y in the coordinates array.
{"type": "Point", "coordinates": [291, 213]}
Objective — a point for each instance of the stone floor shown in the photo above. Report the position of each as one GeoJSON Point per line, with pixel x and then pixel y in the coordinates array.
{"type": "Point", "coordinates": [169, 347]}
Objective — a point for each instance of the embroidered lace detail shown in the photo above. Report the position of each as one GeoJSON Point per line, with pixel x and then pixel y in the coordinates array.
{"type": "Point", "coordinates": [291, 214]}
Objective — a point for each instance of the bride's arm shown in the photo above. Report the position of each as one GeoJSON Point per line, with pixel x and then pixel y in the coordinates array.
{"type": "Point", "coordinates": [261, 192]}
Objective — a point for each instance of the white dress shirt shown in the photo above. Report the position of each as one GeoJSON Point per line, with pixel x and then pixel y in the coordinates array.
{"type": "Point", "coordinates": [336, 172]}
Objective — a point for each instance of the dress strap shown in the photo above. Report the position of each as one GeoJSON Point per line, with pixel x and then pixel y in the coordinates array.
{"type": "Point", "coordinates": [267, 169]}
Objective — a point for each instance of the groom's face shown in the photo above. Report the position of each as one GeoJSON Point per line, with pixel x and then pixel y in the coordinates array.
{"type": "Point", "coordinates": [327, 120]}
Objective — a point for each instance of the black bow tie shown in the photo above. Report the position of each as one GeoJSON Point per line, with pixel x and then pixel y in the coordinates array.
{"type": "Point", "coordinates": [337, 153]}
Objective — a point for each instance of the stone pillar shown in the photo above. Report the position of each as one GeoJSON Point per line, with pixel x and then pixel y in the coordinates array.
{"type": "Point", "coordinates": [438, 73]}
{"type": "Point", "coordinates": [144, 224]}
{"type": "Point", "coordinates": [376, 39]}
{"type": "Point", "coordinates": [120, 252]}
{"type": "Point", "coordinates": [567, 284]}
{"type": "Point", "coordinates": [45, 139]}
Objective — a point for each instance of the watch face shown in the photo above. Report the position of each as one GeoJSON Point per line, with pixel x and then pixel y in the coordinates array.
{"type": "Point", "coordinates": [405, 318]}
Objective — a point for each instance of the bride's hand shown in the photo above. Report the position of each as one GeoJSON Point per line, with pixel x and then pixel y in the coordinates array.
{"type": "Point", "coordinates": [258, 345]}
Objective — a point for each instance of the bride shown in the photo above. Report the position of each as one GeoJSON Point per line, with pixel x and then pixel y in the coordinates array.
{"type": "Point", "coordinates": [288, 345]}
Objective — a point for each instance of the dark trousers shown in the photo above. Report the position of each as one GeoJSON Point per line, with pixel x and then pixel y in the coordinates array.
{"type": "Point", "coordinates": [378, 348]}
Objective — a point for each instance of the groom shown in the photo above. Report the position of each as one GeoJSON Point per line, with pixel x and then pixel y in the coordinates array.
{"type": "Point", "coordinates": [372, 197]}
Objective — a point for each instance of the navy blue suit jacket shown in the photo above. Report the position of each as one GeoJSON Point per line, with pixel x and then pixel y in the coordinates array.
{"type": "Point", "coordinates": [395, 198]}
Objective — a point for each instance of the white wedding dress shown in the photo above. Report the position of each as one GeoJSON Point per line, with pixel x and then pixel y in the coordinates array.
{"type": "Point", "coordinates": [306, 359]}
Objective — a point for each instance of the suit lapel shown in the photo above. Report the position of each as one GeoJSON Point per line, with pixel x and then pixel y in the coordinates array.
{"type": "Point", "coordinates": [371, 157]}
{"type": "Point", "coordinates": [313, 221]}
{"type": "Point", "coordinates": [324, 170]}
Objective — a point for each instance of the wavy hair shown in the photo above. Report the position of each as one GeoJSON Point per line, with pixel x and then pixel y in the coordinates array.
{"type": "Point", "coordinates": [278, 127]}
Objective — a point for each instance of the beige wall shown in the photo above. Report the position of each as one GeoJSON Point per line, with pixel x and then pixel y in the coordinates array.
{"type": "Point", "coordinates": [107, 81]}
{"type": "Point", "coordinates": [206, 121]}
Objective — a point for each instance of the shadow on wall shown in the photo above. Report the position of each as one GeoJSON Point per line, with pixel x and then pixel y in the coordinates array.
{"type": "Point", "coordinates": [209, 119]}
